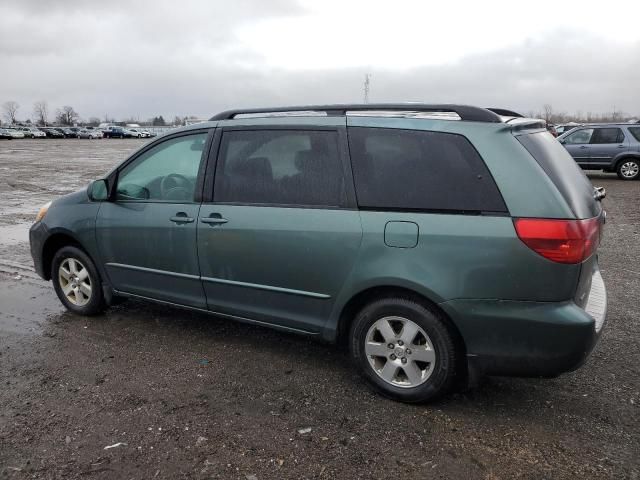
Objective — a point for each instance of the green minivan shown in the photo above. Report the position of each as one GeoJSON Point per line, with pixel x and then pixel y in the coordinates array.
{"type": "Point", "coordinates": [440, 242]}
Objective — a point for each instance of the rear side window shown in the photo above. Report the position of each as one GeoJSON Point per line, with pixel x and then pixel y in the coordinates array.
{"type": "Point", "coordinates": [607, 135]}
{"type": "Point", "coordinates": [563, 171]}
{"type": "Point", "coordinates": [635, 131]}
{"type": "Point", "coordinates": [419, 170]}
{"type": "Point", "coordinates": [280, 167]}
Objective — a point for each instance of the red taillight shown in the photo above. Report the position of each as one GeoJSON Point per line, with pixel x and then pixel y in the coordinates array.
{"type": "Point", "coordinates": [563, 241]}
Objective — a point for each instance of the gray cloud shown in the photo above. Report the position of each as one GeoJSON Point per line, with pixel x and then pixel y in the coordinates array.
{"type": "Point", "coordinates": [153, 57]}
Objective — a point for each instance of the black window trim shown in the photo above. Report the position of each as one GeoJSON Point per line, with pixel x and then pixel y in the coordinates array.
{"type": "Point", "coordinates": [214, 159]}
{"type": "Point", "coordinates": [113, 177]}
{"type": "Point", "coordinates": [439, 211]}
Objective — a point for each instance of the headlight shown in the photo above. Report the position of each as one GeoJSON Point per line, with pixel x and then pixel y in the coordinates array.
{"type": "Point", "coordinates": [43, 211]}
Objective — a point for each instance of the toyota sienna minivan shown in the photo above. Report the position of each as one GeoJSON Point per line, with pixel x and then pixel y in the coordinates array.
{"type": "Point", "coordinates": [437, 241]}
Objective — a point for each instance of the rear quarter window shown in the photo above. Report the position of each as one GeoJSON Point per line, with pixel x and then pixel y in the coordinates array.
{"type": "Point", "coordinates": [420, 170]}
{"type": "Point", "coordinates": [635, 131]}
{"type": "Point", "coordinates": [563, 171]}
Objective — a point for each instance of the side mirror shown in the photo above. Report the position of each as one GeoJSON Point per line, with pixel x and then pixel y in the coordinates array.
{"type": "Point", "coordinates": [98, 191]}
{"type": "Point", "coordinates": [561, 141]}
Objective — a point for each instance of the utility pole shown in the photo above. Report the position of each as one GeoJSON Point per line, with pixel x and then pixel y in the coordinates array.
{"type": "Point", "coordinates": [367, 82]}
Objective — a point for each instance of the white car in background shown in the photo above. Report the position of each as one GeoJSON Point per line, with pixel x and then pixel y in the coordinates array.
{"type": "Point", "coordinates": [139, 133]}
{"type": "Point", "coordinates": [90, 133]}
{"type": "Point", "coordinates": [15, 133]}
{"type": "Point", "coordinates": [33, 132]}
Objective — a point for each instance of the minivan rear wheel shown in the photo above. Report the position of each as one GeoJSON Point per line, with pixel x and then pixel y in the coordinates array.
{"type": "Point", "coordinates": [404, 350]}
{"type": "Point", "coordinates": [629, 169]}
{"type": "Point", "coordinates": [76, 281]}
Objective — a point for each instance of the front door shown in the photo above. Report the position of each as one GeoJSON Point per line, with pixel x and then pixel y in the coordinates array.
{"type": "Point", "coordinates": [281, 235]}
{"type": "Point", "coordinates": [147, 234]}
{"type": "Point", "coordinates": [578, 145]}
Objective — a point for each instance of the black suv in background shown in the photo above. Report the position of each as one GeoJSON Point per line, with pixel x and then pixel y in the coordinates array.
{"type": "Point", "coordinates": [66, 132]}
{"type": "Point", "coordinates": [116, 132]}
{"type": "Point", "coordinates": [607, 147]}
{"type": "Point", "coordinates": [53, 132]}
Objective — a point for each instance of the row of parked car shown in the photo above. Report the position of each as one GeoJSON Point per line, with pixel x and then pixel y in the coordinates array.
{"type": "Point", "coordinates": [90, 133]}
{"type": "Point", "coordinates": [610, 147]}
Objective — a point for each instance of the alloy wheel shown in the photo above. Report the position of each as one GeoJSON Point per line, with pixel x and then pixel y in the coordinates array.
{"type": "Point", "coordinates": [75, 281]}
{"type": "Point", "coordinates": [400, 352]}
{"type": "Point", "coordinates": [629, 169]}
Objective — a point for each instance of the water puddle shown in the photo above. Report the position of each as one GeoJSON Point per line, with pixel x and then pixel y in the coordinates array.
{"type": "Point", "coordinates": [25, 306]}
{"type": "Point", "coordinates": [14, 234]}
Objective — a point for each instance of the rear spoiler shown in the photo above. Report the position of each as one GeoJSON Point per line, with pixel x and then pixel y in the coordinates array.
{"type": "Point", "coordinates": [522, 123]}
{"type": "Point", "coordinates": [503, 112]}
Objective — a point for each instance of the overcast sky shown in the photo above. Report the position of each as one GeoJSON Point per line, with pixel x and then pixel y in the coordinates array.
{"type": "Point", "coordinates": [190, 57]}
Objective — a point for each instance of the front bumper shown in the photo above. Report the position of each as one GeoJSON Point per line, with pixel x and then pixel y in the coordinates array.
{"type": "Point", "coordinates": [38, 234]}
{"type": "Point", "coordinates": [535, 339]}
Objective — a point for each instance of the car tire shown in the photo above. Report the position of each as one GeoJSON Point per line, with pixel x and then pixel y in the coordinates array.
{"type": "Point", "coordinates": [628, 169]}
{"type": "Point", "coordinates": [404, 349]}
{"type": "Point", "coordinates": [77, 282]}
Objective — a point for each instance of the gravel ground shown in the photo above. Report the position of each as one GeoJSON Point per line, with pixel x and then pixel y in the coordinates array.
{"type": "Point", "coordinates": [183, 395]}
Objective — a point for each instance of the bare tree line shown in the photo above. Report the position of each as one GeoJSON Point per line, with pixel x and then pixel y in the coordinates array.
{"type": "Point", "coordinates": [65, 115]}
{"type": "Point", "coordinates": [551, 116]}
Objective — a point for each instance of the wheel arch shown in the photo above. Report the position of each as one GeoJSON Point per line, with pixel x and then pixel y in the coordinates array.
{"type": "Point", "coordinates": [624, 156]}
{"type": "Point", "coordinates": [55, 242]}
{"type": "Point", "coordinates": [358, 301]}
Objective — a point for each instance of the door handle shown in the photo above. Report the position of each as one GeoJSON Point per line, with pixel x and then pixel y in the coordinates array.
{"type": "Point", "coordinates": [582, 147]}
{"type": "Point", "coordinates": [181, 217]}
{"type": "Point", "coordinates": [620, 146]}
{"type": "Point", "coordinates": [214, 219]}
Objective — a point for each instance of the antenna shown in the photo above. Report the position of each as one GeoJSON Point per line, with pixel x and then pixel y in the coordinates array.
{"type": "Point", "coordinates": [367, 82]}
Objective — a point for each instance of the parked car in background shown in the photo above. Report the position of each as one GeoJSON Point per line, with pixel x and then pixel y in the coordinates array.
{"type": "Point", "coordinates": [15, 132]}
{"type": "Point", "coordinates": [139, 133]}
{"type": "Point", "coordinates": [403, 230]}
{"type": "Point", "coordinates": [90, 134]}
{"type": "Point", "coordinates": [32, 132]}
{"type": "Point", "coordinates": [607, 147]}
{"type": "Point", "coordinates": [117, 132]}
{"type": "Point", "coordinates": [66, 132]}
{"type": "Point", "coordinates": [4, 134]}
{"type": "Point", "coordinates": [51, 132]}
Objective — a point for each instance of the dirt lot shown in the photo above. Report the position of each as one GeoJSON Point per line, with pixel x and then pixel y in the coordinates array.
{"type": "Point", "coordinates": [193, 396]}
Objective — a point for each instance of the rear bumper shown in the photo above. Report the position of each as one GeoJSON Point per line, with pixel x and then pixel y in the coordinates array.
{"type": "Point", "coordinates": [535, 339]}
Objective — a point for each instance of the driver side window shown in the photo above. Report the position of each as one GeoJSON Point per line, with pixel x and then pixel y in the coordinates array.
{"type": "Point", "coordinates": [580, 137]}
{"type": "Point", "coordinates": [165, 173]}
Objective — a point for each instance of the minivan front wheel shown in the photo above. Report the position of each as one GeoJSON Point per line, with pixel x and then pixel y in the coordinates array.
{"type": "Point", "coordinates": [404, 350]}
{"type": "Point", "coordinates": [629, 169]}
{"type": "Point", "coordinates": [76, 281]}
